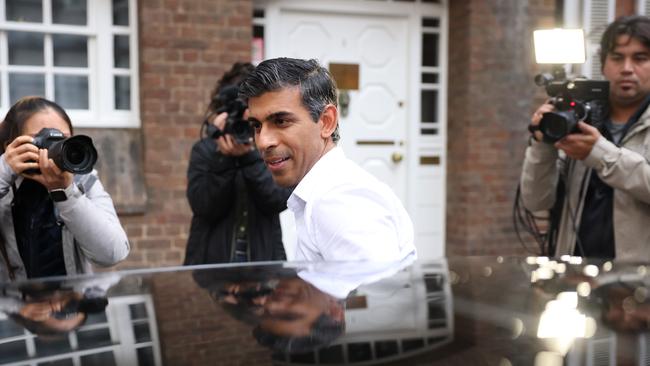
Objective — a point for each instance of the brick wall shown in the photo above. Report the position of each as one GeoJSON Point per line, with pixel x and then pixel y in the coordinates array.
{"type": "Point", "coordinates": [185, 46]}
{"type": "Point", "coordinates": [194, 330]}
{"type": "Point", "coordinates": [491, 97]}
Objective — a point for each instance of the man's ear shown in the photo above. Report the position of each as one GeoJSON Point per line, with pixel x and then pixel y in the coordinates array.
{"type": "Point", "coordinates": [330, 120]}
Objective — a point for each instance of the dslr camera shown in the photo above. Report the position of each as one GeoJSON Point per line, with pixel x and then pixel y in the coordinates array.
{"type": "Point", "coordinates": [575, 100]}
{"type": "Point", "coordinates": [75, 154]}
{"type": "Point", "coordinates": [236, 125]}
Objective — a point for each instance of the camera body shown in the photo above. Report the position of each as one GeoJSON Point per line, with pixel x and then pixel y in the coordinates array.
{"type": "Point", "coordinates": [75, 154]}
{"type": "Point", "coordinates": [236, 125]}
{"type": "Point", "coordinates": [575, 100]}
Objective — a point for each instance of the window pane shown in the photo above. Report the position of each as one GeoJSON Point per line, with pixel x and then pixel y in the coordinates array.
{"type": "Point", "coordinates": [429, 104]}
{"type": "Point", "coordinates": [52, 346]}
{"type": "Point", "coordinates": [359, 352]}
{"type": "Point", "coordinates": [120, 12]}
{"type": "Point", "coordinates": [121, 51]}
{"type": "Point", "coordinates": [138, 311]}
{"type": "Point", "coordinates": [98, 359]}
{"type": "Point", "coordinates": [69, 12]}
{"type": "Point", "coordinates": [70, 50]}
{"type": "Point", "coordinates": [13, 351]}
{"type": "Point", "coordinates": [64, 362]}
{"type": "Point", "coordinates": [430, 78]}
{"type": "Point", "coordinates": [145, 357]}
{"type": "Point", "coordinates": [123, 92]}
{"type": "Point", "coordinates": [9, 329]}
{"type": "Point", "coordinates": [25, 10]}
{"type": "Point", "coordinates": [71, 91]}
{"type": "Point", "coordinates": [141, 332]}
{"type": "Point", "coordinates": [431, 22]}
{"type": "Point", "coordinates": [94, 338]}
{"type": "Point", "coordinates": [430, 49]}
{"type": "Point", "coordinates": [97, 318]}
{"type": "Point", "coordinates": [412, 344]}
{"type": "Point", "coordinates": [21, 85]}
{"type": "Point", "coordinates": [386, 348]}
{"type": "Point", "coordinates": [25, 48]}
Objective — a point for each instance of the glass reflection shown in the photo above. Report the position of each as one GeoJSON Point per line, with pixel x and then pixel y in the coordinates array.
{"type": "Point", "coordinates": [514, 311]}
{"type": "Point", "coordinates": [73, 12]}
{"type": "Point", "coordinates": [24, 10]}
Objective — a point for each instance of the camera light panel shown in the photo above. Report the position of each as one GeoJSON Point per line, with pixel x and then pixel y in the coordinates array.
{"type": "Point", "coordinates": [559, 46]}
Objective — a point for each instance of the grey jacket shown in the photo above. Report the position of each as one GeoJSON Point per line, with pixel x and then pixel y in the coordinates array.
{"type": "Point", "coordinates": [91, 234]}
{"type": "Point", "coordinates": [625, 168]}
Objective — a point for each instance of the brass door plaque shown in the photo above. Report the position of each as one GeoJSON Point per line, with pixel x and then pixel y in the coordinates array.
{"type": "Point", "coordinates": [346, 75]}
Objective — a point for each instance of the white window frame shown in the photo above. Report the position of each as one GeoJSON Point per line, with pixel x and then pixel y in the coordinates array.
{"type": "Point", "coordinates": [100, 71]}
{"type": "Point", "coordinates": [120, 325]}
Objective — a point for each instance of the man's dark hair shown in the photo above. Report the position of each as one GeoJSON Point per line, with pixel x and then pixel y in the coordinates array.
{"type": "Point", "coordinates": [635, 26]}
{"type": "Point", "coordinates": [234, 76]}
{"type": "Point", "coordinates": [323, 332]}
{"type": "Point", "coordinates": [317, 87]}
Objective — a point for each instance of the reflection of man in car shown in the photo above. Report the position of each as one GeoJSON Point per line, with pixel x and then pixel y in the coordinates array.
{"type": "Point", "coordinates": [52, 313]}
{"type": "Point", "coordinates": [298, 317]}
{"type": "Point", "coordinates": [288, 313]}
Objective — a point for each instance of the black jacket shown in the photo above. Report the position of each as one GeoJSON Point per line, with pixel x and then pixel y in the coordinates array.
{"type": "Point", "coordinates": [213, 182]}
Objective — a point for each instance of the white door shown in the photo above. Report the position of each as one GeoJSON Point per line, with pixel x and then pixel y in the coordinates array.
{"type": "Point", "coordinates": [373, 132]}
{"type": "Point", "coordinates": [381, 130]}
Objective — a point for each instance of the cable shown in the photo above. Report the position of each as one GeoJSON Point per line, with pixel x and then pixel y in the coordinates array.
{"type": "Point", "coordinates": [525, 219]}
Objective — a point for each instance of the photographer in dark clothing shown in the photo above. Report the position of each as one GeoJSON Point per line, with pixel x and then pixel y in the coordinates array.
{"type": "Point", "coordinates": [234, 201]}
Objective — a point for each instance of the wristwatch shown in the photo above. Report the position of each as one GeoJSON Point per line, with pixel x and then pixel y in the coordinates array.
{"type": "Point", "coordinates": [58, 195]}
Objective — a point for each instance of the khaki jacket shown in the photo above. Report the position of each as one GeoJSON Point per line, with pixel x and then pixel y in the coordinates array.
{"type": "Point", "coordinates": [625, 168]}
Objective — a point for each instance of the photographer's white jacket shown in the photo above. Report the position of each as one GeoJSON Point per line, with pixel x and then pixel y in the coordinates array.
{"type": "Point", "coordinates": [625, 168]}
{"type": "Point", "coordinates": [91, 233]}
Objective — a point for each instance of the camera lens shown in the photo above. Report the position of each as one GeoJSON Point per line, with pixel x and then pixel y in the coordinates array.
{"type": "Point", "coordinates": [556, 125]}
{"type": "Point", "coordinates": [75, 154]}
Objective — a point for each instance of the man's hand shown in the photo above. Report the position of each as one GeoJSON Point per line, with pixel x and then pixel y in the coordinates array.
{"type": "Point", "coordinates": [227, 145]}
{"type": "Point", "coordinates": [21, 154]}
{"type": "Point", "coordinates": [578, 145]}
{"type": "Point", "coordinates": [51, 176]}
{"type": "Point", "coordinates": [537, 118]}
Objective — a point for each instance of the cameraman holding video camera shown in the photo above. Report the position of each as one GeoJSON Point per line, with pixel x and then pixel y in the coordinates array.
{"type": "Point", "coordinates": [56, 218]}
{"type": "Point", "coordinates": [599, 177]}
{"type": "Point", "coordinates": [234, 201]}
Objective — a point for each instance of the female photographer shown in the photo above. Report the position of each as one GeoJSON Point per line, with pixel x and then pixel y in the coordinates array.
{"type": "Point", "coordinates": [52, 222]}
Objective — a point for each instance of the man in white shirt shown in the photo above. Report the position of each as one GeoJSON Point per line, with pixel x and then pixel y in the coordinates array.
{"type": "Point", "coordinates": [341, 211]}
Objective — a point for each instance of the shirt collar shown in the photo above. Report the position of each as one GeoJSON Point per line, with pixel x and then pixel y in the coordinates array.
{"type": "Point", "coordinates": [306, 189]}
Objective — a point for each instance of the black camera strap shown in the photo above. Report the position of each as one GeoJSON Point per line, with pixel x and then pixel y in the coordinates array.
{"type": "Point", "coordinates": [240, 251]}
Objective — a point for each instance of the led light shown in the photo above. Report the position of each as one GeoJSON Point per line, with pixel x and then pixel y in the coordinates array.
{"type": "Point", "coordinates": [559, 46]}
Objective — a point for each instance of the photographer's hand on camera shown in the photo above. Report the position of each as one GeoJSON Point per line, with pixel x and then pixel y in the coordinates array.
{"type": "Point", "coordinates": [226, 143]}
{"type": "Point", "coordinates": [51, 176]}
{"type": "Point", "coordinates": [537, 118]}
{"type": "Point", "coordinates": [22, 155]}
{"type": "Point", "coordinates": [578, 145]}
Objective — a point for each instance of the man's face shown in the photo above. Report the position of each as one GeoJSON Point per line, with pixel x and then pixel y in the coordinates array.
{"type": "Point", "coordinates": [293, 307]}
{"type": "Point", "coordinates": [627, 68]}
{"type": "Point", "coordinates": [288, 139]}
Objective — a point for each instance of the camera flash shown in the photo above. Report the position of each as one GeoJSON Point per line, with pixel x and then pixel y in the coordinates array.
{"type": "Point", "coordinates": [559, 46]}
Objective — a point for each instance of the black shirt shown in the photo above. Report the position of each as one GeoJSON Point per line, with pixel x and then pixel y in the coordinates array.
{"type": "Point", "coordinates": [38, 234]}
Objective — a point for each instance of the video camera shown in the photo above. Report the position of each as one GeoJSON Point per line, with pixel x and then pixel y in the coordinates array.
{"type": "Point", "coordinates": [75, 154]}
{"type": "Point", "coordinates": [575, 100]}
{"type": "Point", "coordinates": [236, 125]}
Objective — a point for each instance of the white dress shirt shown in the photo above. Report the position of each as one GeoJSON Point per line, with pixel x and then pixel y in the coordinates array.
{"type": "Point", "coordinates": [343, 213]}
